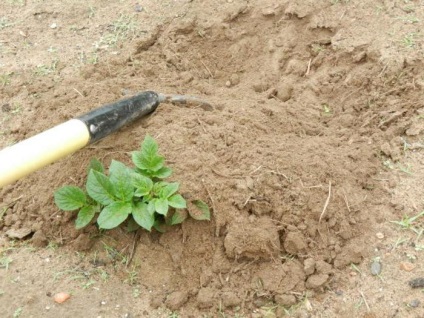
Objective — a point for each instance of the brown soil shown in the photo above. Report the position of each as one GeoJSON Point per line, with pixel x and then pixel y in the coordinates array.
{"type": "Point", "coordinates": [317, 111]}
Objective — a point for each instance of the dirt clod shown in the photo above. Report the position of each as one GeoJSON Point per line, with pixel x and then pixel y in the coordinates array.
{"type": "Point", "coordinates": [176, 299]}
{"type": "Point", "coordinates": [285, 300]}
{"type": "Point", "coordinates": [316, 281]}
{"type": "Point", "coordinates": [230, 299]}
{"type": "Point", "coordinates": [206, 298]}
{"type": "Point", "coordinates": [295, 243]}
{"type": "Point", "coordinates": [256, 239]}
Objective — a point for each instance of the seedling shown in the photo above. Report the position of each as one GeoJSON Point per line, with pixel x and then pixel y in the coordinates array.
{"type": "Point", "coordinates": [137, 195]}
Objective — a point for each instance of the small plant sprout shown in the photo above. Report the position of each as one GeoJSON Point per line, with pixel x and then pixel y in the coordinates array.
{"type": "Point", "coordinates": [407, 223]}
{"type": "Point", "coordinates": [137, 196]}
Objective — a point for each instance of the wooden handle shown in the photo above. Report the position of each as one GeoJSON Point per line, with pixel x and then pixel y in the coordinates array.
{"type": "Point", "coordinates": [40, 150]}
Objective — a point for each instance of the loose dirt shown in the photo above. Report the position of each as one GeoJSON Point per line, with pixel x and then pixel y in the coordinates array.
{"type": "Point", "coordinates": [313, 145]}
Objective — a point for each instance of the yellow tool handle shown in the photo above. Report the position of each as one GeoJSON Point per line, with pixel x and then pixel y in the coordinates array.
{"type": "Point", "coordinates": [40, 150]}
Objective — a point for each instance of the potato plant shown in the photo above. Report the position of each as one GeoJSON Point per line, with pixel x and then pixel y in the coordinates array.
{"type": "Point", "coordinates": [137, 195]}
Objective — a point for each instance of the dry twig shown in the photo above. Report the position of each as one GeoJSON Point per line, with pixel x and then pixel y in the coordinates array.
{"type": "Point", "coordinates": [326, 203]}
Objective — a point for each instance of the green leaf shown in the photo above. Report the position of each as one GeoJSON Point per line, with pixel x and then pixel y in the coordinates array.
{"type": "Point", "coordinates": [202, 212]}
{"type": "Point", "coordinates": [179, 216]}
{"type": "Point", "coordinates": [95, 165]}
{"type": "Point", "coordinates": [69, 198]}
{"type": "Point", "coordinates": [160, 226]}
{"type": "Point", "coordinates": [100, 188]}
{"type": "Point", "coordinates": [114, 214]}
{"type": "Point", "coordinates": [132, 225]}
{"type": "Point", "coordinates": [120, 176]}
{"type": "Point", "coordinates": [142, 216]}
{"type": "Point", "coordinates": [151, 206]}
{"type": "Point", "coordinates": [148, 158]}
{"type": "Point", "coordinates": [161, 206]}
{"type": "Point", "coordinates": [169, 189]}
{"type": "Point", "coordinates": [162, 173]}
{"type": "Point", "coordinates": [142, 184]}
{"type": "Point", "coordinates": [85, 215]}
{"type": "Point", "coordinates": [177, 201]}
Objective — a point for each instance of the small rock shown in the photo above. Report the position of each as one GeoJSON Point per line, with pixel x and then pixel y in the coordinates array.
{"type": "Point", "coordinates": [379, 235]}
{"type": "Point", "coordinates": [417, 282]}
{"type": "Point", "coordinates": [18, 234]}
{"type": "Point", "coordinates": [61, 297]}
{"type": "Point", "coordinates": [176, 299]}
{"type": "Point", "coordinates": [316, 281]}
{"type": "Point", "coordinates": [285, 300]}
{"type": "Point", "coordinates": [414, 303]}
{"type": "Point", "coordinates": [138, 8]}
{"type": "Point", "coordinates": [53, 26]}
{"type": "Point", "coordinates": [376, 268]}
{"type": "Point", "coordinates": [228, 83]}
{"type": "Point", "coordinates": [406, 266]}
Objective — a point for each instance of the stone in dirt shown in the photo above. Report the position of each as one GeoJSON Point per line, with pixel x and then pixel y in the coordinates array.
{"type": "Point", "coordinates": [258, 238]}
{"type": "Point", "coordinates": [19, 234]}
{"type": "Point", "coordinates": [417, 282]}
{"type": "Point", "coordinates": [406, 266]}
{"type": "Point", "coordinates": [176, 299]}
{"type": "Point", "coordinates": [376, 268]}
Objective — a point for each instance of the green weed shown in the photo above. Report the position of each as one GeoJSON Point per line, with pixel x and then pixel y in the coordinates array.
{"type": "Point", "coordinates": [408, 223]}
{"type": "Point", "coordinates": [43, 70]}
{"type": "Point", "coordinates": [4, 23]}
{"type": "Point", "coordinates": [5, 79]}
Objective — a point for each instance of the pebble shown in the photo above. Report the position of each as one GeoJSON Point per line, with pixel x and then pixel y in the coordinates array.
{"type": "Point", "coordinates": [417, 282]}
{"type": "Point", "coordinates": [376, 268]}
{"type": "Point", "coordinates": [19, 234]}
{"type": "Point", "coordinates": [414, 303]}
{"type": "Point", "coordinates": [53, 26]}
{"type": "Point", "coordinates": [406, 266]}
{"type": "Point", "coordinates": [379, 235]}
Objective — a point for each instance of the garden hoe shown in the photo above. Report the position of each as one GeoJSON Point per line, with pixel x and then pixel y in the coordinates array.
{"type": "Point", "coordinates": [40, 150]}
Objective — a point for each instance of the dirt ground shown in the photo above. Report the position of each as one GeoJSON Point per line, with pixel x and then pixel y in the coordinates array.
{"type": "Point", "coordinates": [311, 159]}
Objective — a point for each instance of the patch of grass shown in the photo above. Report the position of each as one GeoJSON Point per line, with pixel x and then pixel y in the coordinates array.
{"type": "Point", "coordinates": [43, 70]}
{"type": "Point", "coordinates": [121, 29]}
{"type": "Point", "coordinates": [16, 2]}
{"type": "Point", "coordinates": [409, 223]}
{"type": "Point", "coordinates": [5, 262]}
{"type": "Point", "coordinates": [5, 79]}
{"type": "Point", "coordinates": [409, 40]}
{"type": "Point", "coordinates": [132, 277]}
{"type": "Point", "coordinates": [18, 312]}
{"type": "Point", "coordinates": [5, 23]}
